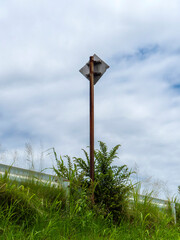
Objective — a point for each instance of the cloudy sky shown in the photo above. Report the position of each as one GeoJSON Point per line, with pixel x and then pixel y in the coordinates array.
{"type": "Point", "coordinates": [44, 100]}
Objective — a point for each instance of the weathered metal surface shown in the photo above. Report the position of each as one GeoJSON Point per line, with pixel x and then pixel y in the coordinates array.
{"type": "Point", "coordinates": [21, 174]}
{"type": "Point", "coordinates": [92, 123]}
{"type": "Point", "coordinates": [92, 118]}
{"type": "Point", "coordinates": [99, 69]}
{"type": "Point", "coordinates": [93, 70]}
{"type": "Point", "coordinates": [160, 203]}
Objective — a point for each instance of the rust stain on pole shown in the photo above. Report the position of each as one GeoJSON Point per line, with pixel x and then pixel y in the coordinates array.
{"type": "Point", "coordinates": [92, 123]}
{"type": "Point", "coordinates": [93, 71]}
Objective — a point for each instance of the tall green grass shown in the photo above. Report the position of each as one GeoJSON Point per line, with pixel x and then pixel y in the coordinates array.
{"type": "Point", "coordinates": [35, 210]}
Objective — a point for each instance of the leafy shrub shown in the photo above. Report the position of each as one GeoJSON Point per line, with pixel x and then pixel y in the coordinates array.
{"type": "Point", "coordinates": [112, 184]}
{"type": "Point", "coordinates": [178, 213]}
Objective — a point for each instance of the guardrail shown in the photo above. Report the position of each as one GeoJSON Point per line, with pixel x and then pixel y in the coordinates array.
{"type": "Point", "coordinates": [23, 174]}
{"type": "Point", "coordinates": [159, 203]}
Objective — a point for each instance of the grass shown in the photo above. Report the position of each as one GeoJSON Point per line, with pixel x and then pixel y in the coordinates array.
{"type": "Point", "coordinates": [34, 210]}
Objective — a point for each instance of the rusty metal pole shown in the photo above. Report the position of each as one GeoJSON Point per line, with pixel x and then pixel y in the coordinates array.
{"type": "Point", "coordinates": [93, 71]}
{"type": "Point", "coordinates": [92, 124]}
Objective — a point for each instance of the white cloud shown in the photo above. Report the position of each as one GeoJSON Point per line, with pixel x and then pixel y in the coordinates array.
{"type": "Point", "coordinates": [43, 97]}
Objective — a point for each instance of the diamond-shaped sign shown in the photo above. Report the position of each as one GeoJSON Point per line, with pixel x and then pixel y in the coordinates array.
{"type": "Point", "coordinates": [99, 69]}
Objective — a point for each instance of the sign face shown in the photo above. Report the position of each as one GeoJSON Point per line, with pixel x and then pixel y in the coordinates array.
{"type": "Point", "coordinates": [99, 69]}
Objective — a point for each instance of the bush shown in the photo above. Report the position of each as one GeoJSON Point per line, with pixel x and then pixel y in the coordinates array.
{"type": "Point", "coordinates": [112, 185]}
{"type": "Point", "coordinates": [178, 213]}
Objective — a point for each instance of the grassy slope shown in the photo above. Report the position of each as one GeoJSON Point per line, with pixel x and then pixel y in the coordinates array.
{"type": "Point", "coordinates": [38, 211]}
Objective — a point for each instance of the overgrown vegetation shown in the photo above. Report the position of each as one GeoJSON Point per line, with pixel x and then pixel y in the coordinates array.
{"type": "Point", "coordinates": [112, 184]}
{"type": "Point", "coordinates": [37, 210]}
